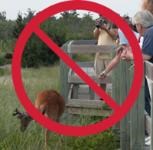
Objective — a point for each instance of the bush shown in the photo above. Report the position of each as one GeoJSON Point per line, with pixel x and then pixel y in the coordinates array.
{"type": "Point", "coordinates": [37, 54]}
{"type": "Point", "coordinates": [3, 60]}
{"type": "Point", "coordinates": [103, 141]}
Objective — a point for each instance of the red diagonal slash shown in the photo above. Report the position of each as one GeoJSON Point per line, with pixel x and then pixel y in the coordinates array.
{"type": "Point", "coordinates": [76, 68]}
{"type": "Point", "coordinates": [119, 110]}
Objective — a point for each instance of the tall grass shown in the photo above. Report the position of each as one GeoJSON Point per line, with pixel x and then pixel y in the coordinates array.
{"type": "Point", "coordinates": [33, 139]}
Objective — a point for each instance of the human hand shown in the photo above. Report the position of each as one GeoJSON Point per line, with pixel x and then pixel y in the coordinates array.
{"type": "Point", "coordinates": [119, 50]}
{"type": "Point", "coordinates": [102, 75]}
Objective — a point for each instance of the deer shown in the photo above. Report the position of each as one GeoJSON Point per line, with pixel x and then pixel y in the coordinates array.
{"type": "Point", "coordinates": [50, 103]}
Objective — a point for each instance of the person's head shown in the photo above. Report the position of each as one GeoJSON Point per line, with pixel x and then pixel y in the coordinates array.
{"type": "Point", "coordinates": [147, 5]}
{"type": "Point", "coordinates": [101, 22]}
{"type": "Point", "coordinates": [143, 20]}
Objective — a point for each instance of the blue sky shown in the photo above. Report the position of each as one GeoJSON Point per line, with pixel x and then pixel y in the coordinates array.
{"type": "Point", "coordinates": [12, 7]}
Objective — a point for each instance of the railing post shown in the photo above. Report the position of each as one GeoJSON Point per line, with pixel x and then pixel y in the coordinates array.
{"type": "Point", "coordinates": [64, 69]}
{"type": "Point", "coordinates": [137, 130]}
{"type": "Point", "coordinates": [116, 90]}
{"type": "Point", "coordinates": [151, 116]}
{"type": "Point", "coordinates": [149, 75]}
{"type": "Point", "coordinates": [124, 88]}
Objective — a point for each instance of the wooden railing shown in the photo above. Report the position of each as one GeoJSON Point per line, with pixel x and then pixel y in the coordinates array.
{"type": "Point", "coordinates": [131, 128]}
{"type": "Point", "coordinates": [80, 47]}
{"type": "Point", "coordinates": [149, 76]}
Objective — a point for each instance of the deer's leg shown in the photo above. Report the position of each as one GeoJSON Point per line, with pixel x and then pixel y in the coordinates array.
{"type": "Point", "coordinates": [46, 138]}
{"type": "Point", "coordinates": [52, 113]}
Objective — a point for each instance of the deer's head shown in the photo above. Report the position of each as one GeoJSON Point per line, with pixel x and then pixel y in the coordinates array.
{"type": "Point", "coordinates": [25, 119]}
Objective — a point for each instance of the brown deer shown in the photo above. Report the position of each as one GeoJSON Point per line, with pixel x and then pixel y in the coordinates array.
{"type": "Point", "coordinates": [50, 103]}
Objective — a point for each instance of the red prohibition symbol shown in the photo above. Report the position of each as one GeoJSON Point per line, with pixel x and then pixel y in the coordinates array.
{"type": "Point", "coordinates": [119, 110]}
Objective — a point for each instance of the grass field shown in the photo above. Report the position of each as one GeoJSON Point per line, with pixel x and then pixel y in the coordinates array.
{"type": "Point", "coordinates": [33, 139]}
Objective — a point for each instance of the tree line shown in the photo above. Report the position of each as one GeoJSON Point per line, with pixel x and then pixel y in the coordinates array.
{"type": "Point", "coordinates": [68, 26]}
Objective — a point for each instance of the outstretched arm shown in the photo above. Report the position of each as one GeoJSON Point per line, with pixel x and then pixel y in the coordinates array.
{"type": "Point", "coordinates": [114, 62]}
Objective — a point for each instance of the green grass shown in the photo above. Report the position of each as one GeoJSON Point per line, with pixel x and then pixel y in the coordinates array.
{"type": "Point", "coordinates": [33, 139]}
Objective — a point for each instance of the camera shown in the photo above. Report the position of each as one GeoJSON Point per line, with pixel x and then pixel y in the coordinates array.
{"type": "Point", "coordinates": [99, 22]}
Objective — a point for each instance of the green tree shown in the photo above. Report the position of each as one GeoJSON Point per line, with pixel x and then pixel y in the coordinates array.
{"type": "Point", "coordinates": [3, 16]}
{"type": "Point", "coordinates": [69, 26]}
{"type": "Point", "coordinates": [28, 15]}
{"type": "Point", "coordinates": [19, 25]}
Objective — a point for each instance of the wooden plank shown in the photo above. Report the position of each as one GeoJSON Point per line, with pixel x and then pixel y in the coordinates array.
{"type": "Point", "coordinates": [91, 94]}
{"type": "Point", "coordinates": [124, 128]}
{"type": "Point", "coordinates": [149, 75]}
{"type": "Point", "coordinates": [74, 78]}
{"type": "Point", "coordinates": [85, 103]}
{"type": "Point", "coordinates": [149, 70]}
{"type": "Point", "coordinates": [91, 49]}
{"type": "Point", "coordinates": [75, 91]}
{"type": "Point", "coordinates": [147, 148]}
{"type": "Point", "coordinates": [89, 112]}
{"type": "Point", "coordinates": [64, 69]}
{"type": "Point", "coordinates": [70, 91]}
{"type": "Point", "coordinates": [116, 90]}
{"type": "Point", "coordinates": [137, 122]}
{"type": "Point", "coordinates": [86, 64]}
{"type": "Point", "coordinates": [151, 115]}
{"type": "Point", "coordinates": [84, 42]}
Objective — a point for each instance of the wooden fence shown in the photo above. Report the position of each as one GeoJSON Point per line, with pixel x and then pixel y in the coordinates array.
{"type": "Point", "coordinates": [149, 76]}
{"type": "Point", "coordinates": [79, 103]}
{"type": "Point", "coordinates": [131, 128]}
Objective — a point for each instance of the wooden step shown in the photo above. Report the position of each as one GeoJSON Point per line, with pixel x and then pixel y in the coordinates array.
{"type": "Point", "coordinates": [87, 107]}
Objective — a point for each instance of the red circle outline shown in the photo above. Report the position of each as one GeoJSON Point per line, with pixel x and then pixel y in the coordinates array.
{"type": "Point", "coordinates": [16, 69]}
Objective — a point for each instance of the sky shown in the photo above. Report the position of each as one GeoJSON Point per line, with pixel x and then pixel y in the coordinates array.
{"type": "Point", "coordinates": [12, 7]}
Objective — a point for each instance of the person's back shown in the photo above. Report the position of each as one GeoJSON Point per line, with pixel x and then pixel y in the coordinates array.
{"type": "Point", "coordinates": [105, 39]}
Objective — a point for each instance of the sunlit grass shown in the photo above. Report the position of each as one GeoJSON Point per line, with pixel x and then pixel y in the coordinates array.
{"type": "Point", "coordinates": [11, 138]}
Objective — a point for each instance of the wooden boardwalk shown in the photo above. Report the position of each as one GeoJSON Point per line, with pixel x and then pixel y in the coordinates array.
{"type": "Point", "coordinates": [81, 99]}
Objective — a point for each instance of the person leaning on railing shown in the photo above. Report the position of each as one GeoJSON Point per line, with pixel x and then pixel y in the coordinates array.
{"type": "Point", "coordinates": [144, 24]}
{"type": "Point", "coordinates": [123, 46]}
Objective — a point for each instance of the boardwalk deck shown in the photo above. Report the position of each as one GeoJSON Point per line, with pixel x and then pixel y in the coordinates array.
{"type": "Point", "coordinates": [84, 106]}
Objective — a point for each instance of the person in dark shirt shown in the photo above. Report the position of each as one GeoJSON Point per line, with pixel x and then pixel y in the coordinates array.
{"type": "Point", "coordinates": [144, 24]}
{"type": "Point", "coordinates": [147, 47]}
